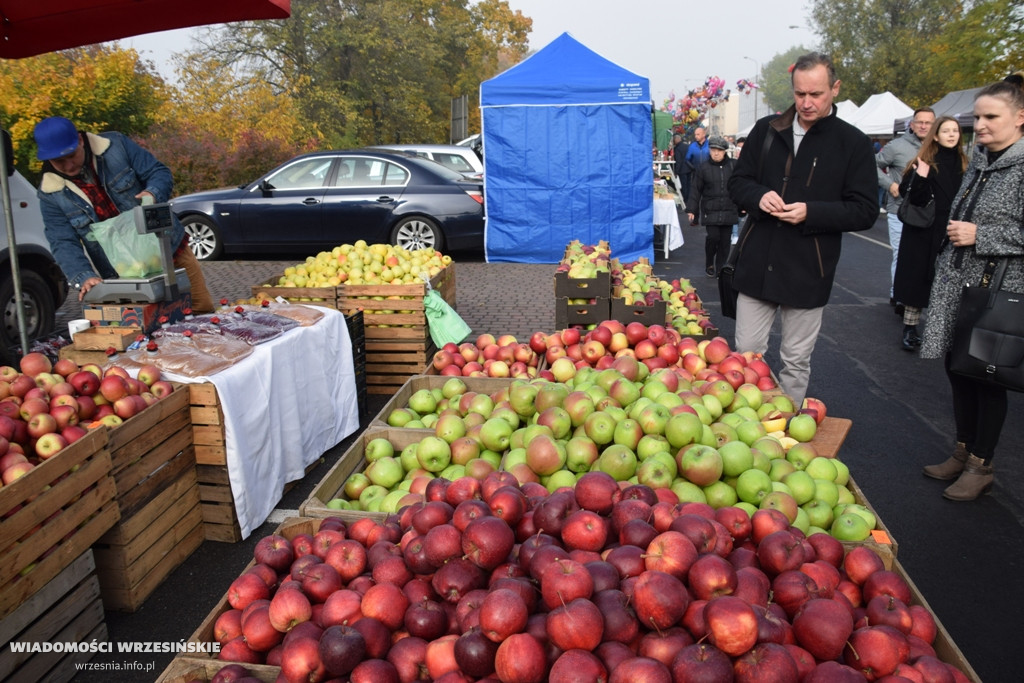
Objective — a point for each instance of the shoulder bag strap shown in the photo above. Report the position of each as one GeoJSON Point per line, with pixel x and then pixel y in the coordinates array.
{"type": "Point", "coordinates": [734, 255]}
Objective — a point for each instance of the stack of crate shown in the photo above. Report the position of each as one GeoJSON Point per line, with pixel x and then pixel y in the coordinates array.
{"type": "Point", "coordinates": [357, 335]}
{"type": "Point", "coordinates": [581, 301]}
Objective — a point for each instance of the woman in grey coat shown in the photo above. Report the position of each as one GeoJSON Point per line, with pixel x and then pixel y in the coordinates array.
{"type": "Point", "coordinates": [987, 221]}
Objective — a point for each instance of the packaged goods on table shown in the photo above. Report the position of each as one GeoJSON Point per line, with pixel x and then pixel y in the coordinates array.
{"type": "Point", "coordinates": [192, 355]}
{"type": "Point", "coordinates": [303, 315]}
{"type": "Point", "coordinates": [267, 318]}
{"type": "Point", "coordinates": [240, 328]}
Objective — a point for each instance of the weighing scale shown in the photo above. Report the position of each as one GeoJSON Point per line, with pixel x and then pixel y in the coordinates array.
{"type": "Point", "coordinates": [153, 219]}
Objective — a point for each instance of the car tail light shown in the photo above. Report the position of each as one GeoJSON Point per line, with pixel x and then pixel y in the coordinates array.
{"type": "Point", "coordinates": [477, 195]}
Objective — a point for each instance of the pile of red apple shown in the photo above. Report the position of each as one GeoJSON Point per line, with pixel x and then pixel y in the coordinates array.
{"type": "Point", "coordinates": [656, 347]}
{"type": "Point", "coordinates": [488, 356]}
{"type": "Point", "coordinates": [510, 583]}
{"type": "Point", "coordinates": [47, 406]}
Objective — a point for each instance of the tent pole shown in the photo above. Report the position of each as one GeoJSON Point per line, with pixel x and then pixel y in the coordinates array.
{"type": "Point", "coordinates": [5, 191]}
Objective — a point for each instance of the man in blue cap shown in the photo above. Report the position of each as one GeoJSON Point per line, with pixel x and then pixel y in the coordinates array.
{"type": "Point", "coordinates": [89, 178]}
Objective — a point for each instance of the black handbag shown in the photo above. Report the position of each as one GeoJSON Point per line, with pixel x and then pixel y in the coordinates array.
{"type": "Point", "coordinates": [726, 294]}
{"type": "Point", "coordinates": [988, 338]}
{"type": "Point", "coordinates": [916, 216]}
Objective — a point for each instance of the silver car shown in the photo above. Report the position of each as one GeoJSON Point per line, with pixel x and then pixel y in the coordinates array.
{"type": "Point", "coordinates": [461, 159]}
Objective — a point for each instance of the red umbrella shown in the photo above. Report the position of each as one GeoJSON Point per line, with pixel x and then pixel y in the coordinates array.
{"type": "Point", "coordinates": [30, 27]}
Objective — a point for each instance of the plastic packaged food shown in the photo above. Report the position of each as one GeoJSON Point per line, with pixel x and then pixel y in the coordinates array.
{"type": "Point", "coordinates": [248, 331]}
{"type": "Point", "coordinates": [303, 315]}
{"type": "Point", "coordinates": [264, 317]}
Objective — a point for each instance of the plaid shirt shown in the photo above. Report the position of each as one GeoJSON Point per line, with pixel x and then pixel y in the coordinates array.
{"type": "Point", "coordinates": [102, 204]}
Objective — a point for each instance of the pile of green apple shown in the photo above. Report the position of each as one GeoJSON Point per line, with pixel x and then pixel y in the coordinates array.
{"type": "Point", "coordinates": [584, 261]}
{"type": "Point", "coordinates": [700, 441]}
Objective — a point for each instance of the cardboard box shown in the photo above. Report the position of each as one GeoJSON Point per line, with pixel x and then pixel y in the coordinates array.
{"type": "Point", "coordinates": [568, 314]}
{"type": "Point", "coordinates": [102, 337]}
{"type": "Point", "coordinates": [583, 288]}
{"type": "Point", "coordinates": [143, 316]}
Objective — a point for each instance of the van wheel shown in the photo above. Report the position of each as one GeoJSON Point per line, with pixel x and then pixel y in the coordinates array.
{"type": "Point", "coordinates": [38, 307]}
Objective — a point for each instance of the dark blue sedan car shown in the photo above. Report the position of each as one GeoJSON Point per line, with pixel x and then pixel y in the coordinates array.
{"type": "Point", "coordinates": [320, 200]}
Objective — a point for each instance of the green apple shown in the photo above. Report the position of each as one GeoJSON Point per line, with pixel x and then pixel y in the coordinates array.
{"type": "Point", "coordinates": [761, 461]}
{"type": "Point", "coordinates": [453, 472]}
{"type": "Point", "coordinates": [390, 502]}
{"type": "Point", "coordinates": [801, 486]}
{"type": "Point", "coordinates": [770, 446]}
{"type": "Point", "coordinates": [801, 454]}
{"type": "Point", "coordinates": [783, 403]}
{"type": "Point", "coordinates": [371, 493]}
{"type": "Point", "coordinates": [864, 512]}
{"type": "Point", "coordinates": [651, 390]}
{"type": "Point", "coordinates": [435, 454]}
{"type": "Point", "coordinates": [423, 401]}
{"type": "Point", "coordinates": [580, 453]}
{"type": "Point", "coordinates": [812, 529]}
{"type": "Point", "coordinates": [506, 413]}
{"type": "Point", "coordinates": [655, 474]}
{"type": "Point", "coordinates": [736, 457]}
{"type": "Point", "coordinates": [802, 522]}
{"type": "Point", "coordinates": [669, 461]}
{"type": "Point", "coordinates": [845, 496]}
{"type": "Point", "coordinates": [723, 433]}
{"type": "Point", "coordinates": [481, 403]}
{"type": "Point", "coordinates": [778, 469]}
{"type": "Point", "coordinates": [513, 457]}
{"type": "Point", "coordinates": [720, 494]}
{"type": "Point", "coordinates": [746, 507]}
{"type": "Point", "coordinates": [521, 396]}
{"type": "Point", "coordinates": [618, 461]}
{"type": "Point", "coordinates": [683, 428]}
{"type": "Point", "coordinates": [617, 413]}
{"type": "Point", "coordinates": [378, 448]}
{"type": "Point", "coordinates": [819, 513]}
{"type": "Point", "coordinates": [385, 472]}
{"type": "Point", "coordinates": [559, 479]}
{"type": "Point", "coordinates": [494, 434]}
{"type": "Point", "coordinates": [415, 424]}
{"type": "Point", "coordinates": [429, 421]}
{"type": "Point", "coordinates": [627, 433]}
{"type": "Point", "coordinates": [749, 431]}
{"type": "Point", "coordinates": [802, 427]}
{"type": "Point", "coordinates": [408, 457]}
{"type": "Point", "coordinates": [355, 484]}
{"type": "Point", "coordinates": [713, 405]}
{"type": "Point", "coordinates": [339, 504]}
{"type": "Point", "coordinates": [449, 427]}
{"type": "Point", "coordinates": [669, 400]}
{"type": "Point", "coordinates": [842, 472]}
{"type": "Point", "coordinates": [826, 491]}
{"type": "Point", "coordinates": [650, 444]}
{"type": "Point", "coordinates": [850, 527]}
{"type": "Point", "coordinates": [781, 501]}
{"type": "Point", "coordinates": [732, 419]}
{"type": "Point", "coordinates": [688, 492]}
{"type": "Point", "coordinates": [747, 413]}
{"type": "Point", "coordinates": [752, 486]}
{"type": "Point", "coordinates": [600, 427]}
{"type": "Point", "coordinates": [452, 387]}
{"type": "Point", "coordinates": [822, 468]}
{"type": "Point", "coordinates": [751, 394]}
{"type": "Point", "coordinates": [653, 418]}
{"type": "Point", "coordinates": [400, 417]}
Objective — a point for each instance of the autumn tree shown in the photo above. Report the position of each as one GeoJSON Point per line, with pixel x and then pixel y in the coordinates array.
{"type": "Point", "coordinates": [100, 88]}
{"type": "Point", "coordinates": [374, 71]}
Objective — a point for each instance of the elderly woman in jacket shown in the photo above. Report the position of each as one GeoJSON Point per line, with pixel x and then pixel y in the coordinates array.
{"type": "Point", "coordinates": [987, 222]}
{"type": "Point", "coordinates": [710, 200]}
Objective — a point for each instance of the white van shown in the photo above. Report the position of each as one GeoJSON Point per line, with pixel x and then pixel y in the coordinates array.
{"type": "Point", "coordinates": [43, 285]}
{"type": "Point", "coordinates": [461, 159]}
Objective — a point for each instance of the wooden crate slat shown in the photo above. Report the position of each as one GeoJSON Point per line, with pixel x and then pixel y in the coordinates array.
{"type": "Point", "coordinates": [134, 525]}
{"type": "Point", "coordinates": [215, 494]}
{"type": "Point", "coordinates": [134, 433]}
{"type": "Point", "coordinates": [206, 415]}
{"type": "Point", "coordinates": [212, 475]}
{"type": "Point", "coordinates": [208, 435]}
{"type": "Point", "coordinates": [203, 393]}
{"type": "Point", "coordinates": [395, 357]}
{"type": "Point", "coordinates": [211, 455]}
{"type": "Point", "coordinates": [138, 496]}
{"type": "Point", "coordinates": [162, 558]}
{"type": "Point", "coordinates": [57, 667]}
{"type": "Point", "coordinates": [186, 669]}
{"type": "Point", "coordinates": [47, 596]}
{"type": "Point", "coordinates": [171, 428]}
{"type": "Point", "coordinates": [377, 345]}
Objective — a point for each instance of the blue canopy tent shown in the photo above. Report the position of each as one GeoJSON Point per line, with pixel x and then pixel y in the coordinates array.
{"type": "Point", "coordinates": [567, 135]}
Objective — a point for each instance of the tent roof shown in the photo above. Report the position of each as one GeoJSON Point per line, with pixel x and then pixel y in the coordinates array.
{"type": "Point", "coordinates": [565, 72]}
{"type": "Point", "coordinates": [847, 110]}
{"type": "Point", "coordinates": [959, 104]}
{"type": "Point", "coordinates": [876, 115]}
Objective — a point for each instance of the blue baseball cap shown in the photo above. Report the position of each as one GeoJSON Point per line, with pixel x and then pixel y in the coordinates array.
{"type": "Point", "coordinates": [56, 137]}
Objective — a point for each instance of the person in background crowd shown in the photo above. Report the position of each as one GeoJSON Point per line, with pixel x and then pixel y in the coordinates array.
{"type": "Point", "coordinates": [933, 177]}
{"type": "Point", "coordinates": [698, 152]}
{"type": "Point", "coordinates": [815, 181]}
{"type": "Point", "coordinates": [89, 178]}
{"type": "Point", "coordinates": [986, 222]}
{"type": "Point", "coordinates": [710, 200]}
{"type": "Point", "coordinates": [891, 161]}
{"type": "Point", "coordinates": [682, 170]}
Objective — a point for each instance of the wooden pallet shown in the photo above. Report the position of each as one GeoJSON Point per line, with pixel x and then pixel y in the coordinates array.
{"type": "Point", "coordinates": [188, 669]}
{"type": "Point", "coordinates": [67, 609]}
{"type": "Point", "coordinates": [60, 522]}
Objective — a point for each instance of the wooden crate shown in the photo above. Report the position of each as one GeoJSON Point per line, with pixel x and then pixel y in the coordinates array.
{"type": "Point", "coordinates": [187, 669]}
{"type": "Point", "coordinates": [487, 385]}
{"type": "Point", "coordinates": [389, 364]}
{"type": "Point", "coordinates": [830, 435]}
{"type": "Point", "coordinates": [102, 337]}
{"type": "Point", "coordinates": [67, 609]}
{"type": "Point", "coordinates": [314, 296]}
{"type": "Point", "coordinates": [158, 496]}
{"type": "Point", "coordinates": [54, 526]}
{"type": "Point", "coordinates": [217, 505]}
{"type": "Point", "coordinates": [82, 357]}
{"type": "Point", "coordinates": [354, 460]}
{"type": "Point", "coordinates": [393, 313]}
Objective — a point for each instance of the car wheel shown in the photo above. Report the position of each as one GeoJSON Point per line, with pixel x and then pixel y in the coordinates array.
{"type": "Point", "coordinates": [203, 238]}
{"type": "Point", "coordinates": [417, 232]}
{"type": "Point", "coordinates": [38, 306]}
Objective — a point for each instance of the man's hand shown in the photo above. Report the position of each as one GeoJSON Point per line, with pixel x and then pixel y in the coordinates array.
{"type": "Point", "coordinates": [145, 193]}
{"type": "Point", "coordinates": [87, 285]}
{"type": "Point", "coordinates": [771, 202]}
{"type": "Point", "coordinates": [792, 213]}
{"type": "Point", "coordinates": [894, 190]}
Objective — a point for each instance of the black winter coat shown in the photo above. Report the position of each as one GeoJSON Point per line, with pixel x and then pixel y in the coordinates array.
{"type": "Point", "coordinates": [709, 194]}
{"type": "Point", "coordinates": [834, 174]}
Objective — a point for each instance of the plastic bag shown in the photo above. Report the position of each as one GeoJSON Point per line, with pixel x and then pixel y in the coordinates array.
{"type": "Point", "coordinates": [132, 255]}
{"type": "Point", "coordinates": [444, 323]}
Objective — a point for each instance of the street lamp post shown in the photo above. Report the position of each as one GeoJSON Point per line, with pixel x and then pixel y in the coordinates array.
{"type": "Point", "coordinates": [757, 78]}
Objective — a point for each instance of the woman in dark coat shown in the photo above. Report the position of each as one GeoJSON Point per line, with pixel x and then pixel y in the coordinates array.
{"type": "Point", "coordinates": [710, 200]}
{"type": "Point", "coordinates": [933, 177]}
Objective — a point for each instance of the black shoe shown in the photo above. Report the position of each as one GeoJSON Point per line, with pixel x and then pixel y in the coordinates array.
{"type": "Point", "coordinates": [710, 271]}
{"type": "Point", "coordinates": [910, 339]}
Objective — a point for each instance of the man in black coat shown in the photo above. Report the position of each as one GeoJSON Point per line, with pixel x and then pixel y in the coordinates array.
{"type": "Point", "coordinates": [812, 181]}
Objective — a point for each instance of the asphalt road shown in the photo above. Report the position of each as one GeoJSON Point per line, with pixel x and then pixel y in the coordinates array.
{"type": "Point", "coordinates": [964, 557]}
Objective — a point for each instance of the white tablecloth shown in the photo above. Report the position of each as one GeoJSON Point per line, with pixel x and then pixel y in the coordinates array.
{"type": "Point", "coordinates": [285, 405]}
{"type": "Point", "coordinates": [665, 214]}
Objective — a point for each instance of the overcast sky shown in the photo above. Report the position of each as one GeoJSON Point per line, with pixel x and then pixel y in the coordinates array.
{"type": "Point", "coordinates": [677, 45]}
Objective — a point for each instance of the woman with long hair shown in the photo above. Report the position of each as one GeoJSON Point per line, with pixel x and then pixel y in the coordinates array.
{"type": "Point", "coordinates": [934, 176]}
{"type": "Point", "coordinates": [986, 223]}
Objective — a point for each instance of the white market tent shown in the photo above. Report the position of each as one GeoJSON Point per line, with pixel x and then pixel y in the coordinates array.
{"type": "Point", "coordinates": [959, 104]}
{"type": "Point", "coordinates": [875, 117]}
{"type": "Point", "coordinates": [847, 110]}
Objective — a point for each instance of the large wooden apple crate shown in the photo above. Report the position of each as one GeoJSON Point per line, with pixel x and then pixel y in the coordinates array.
{"type": "Point", "coordinates": [52, 515]}
{"type": "Point", "coordinates": [217, 505]}
{"type": "Point", "coordinates": [67, 609]}
{"type": "Point", "coordinates": [480, 385]}
{"type": "Point", "coordinates": [154, 468]}
{"type": "Point", "coordinates": [188, 669]}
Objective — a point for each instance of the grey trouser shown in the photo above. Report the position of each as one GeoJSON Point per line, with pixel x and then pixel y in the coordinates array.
{"type": "Point", "coordinates": [800, 327]}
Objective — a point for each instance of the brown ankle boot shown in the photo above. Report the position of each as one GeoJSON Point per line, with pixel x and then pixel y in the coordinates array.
{"type": "Point", "coordinates": [975, 480]}
{"type": "Point", "coordinates": [951, 468]}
